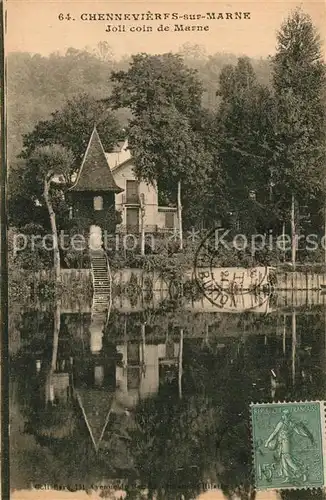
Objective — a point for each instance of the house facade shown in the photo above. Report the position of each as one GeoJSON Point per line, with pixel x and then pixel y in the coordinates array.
{"type": "Point", "coordinates": [138, 199]}
{"type": "Point", "coordinates": [106, 183]}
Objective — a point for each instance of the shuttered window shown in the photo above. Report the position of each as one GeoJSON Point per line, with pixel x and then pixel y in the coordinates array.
{"type": "Point", "coordinates": [169, 220]}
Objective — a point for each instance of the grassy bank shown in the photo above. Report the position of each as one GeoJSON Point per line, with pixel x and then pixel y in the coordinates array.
{"type": "Point", "coordinates": [133, 273]}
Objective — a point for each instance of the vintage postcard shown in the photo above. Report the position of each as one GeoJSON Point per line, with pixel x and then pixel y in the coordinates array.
{"type": "Point", "coordinates": [166, 208]}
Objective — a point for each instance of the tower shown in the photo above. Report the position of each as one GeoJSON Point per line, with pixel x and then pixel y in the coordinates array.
{"type": "Point", "coordinates": [93, 194]}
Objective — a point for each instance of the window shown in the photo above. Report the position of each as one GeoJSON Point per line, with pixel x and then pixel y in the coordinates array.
{"type": "Point", "coordinates": [98, 203]}
{"type": "Point", "coordinates": [169, 220]}
{"type": "Point", "coordinates": [133, 354]}
{"type": "Point", "coordinates": [132, 217]}
{"type": "Point", "coordinates": [132, 191]}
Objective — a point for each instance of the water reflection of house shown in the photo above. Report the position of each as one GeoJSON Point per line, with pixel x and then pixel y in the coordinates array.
{"type": "Point", "coordinates": [145, 366]}
{"type": "Point", "coordinates": [132, 368]}
{"type": "Point", "coordinates": [95, 364]}
{"type": "Point", "coordinates": [132, 359]}
{"type": "Point", "coordinates": [97, 368]}
{"type": "Point", "coordinates": [107, 373]}
{"type": "Point", "coordinates": [84, 357]}
{"type": "Point", "coordinates": [60, 387]}
{"type": "Point", "coordinates": [85, 372]}
{"type": "Point", "coordinates": [96, 406]}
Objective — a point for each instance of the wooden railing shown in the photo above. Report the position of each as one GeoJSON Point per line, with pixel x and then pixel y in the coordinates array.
{"type": "Point", "coordinates": [131, 198]}
{"type": "Point", "coordinates": [110, 284]}
{"type": "Point", "coordinates": [124, 229]}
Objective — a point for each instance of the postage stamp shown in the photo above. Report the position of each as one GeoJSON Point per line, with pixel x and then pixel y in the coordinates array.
{"type": "Point", "coordinates": [288, 445]}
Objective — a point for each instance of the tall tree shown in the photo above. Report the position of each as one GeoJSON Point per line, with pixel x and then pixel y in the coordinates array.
{"type": "Point", "coordinates": [72, 125]}
{"type": "Point", "coordinates": [157, 80]}
{"type": "Point", "coordinates": [69, 127]}
{"type": "Point", "coordinates": [242, 130]}
{"type": "Point", "coordinates": [299, 126]}
{"type": "Point", "coordinates": [164, 97]}
{"type": "Point", "coordinates": [45, 164]}
{"type": "Point", "coordinates": [167, 150]}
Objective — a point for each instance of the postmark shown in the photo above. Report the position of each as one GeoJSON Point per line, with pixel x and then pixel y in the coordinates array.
{"type": "Point", "coordinates": [220, 284]}
{"type": "Point", "coordinates": [288, 445]}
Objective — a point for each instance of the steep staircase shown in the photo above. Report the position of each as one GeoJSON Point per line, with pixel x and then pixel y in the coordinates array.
{"type": "Point", "coordinates": [102, 280]}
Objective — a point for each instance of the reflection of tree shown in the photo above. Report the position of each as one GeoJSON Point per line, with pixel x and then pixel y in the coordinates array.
{"type": "Point", "coordinates": [207, 433]}
{"type": "Point", "coordinates": [204, 435]}
{"type": "Point", "coordinates": [309, 382]}
{"type": "Point", "coordinates": [177, 442]}
{"type": "Point", "coordinates": [48, 420]}
{"type": "Point", "coordinates": [54, 354]}
{"type": "Point", "coordinates": [58, 447]}
{"type": "Point", "coordinates": [167, 444]}
{"type": "Point", "coordinates": [231, 386]}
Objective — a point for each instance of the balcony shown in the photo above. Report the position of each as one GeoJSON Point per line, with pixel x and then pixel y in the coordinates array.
{"type": "Point", "coordinates": [124, 229]}
{"type": "Point", "coordinates": [131, 199]}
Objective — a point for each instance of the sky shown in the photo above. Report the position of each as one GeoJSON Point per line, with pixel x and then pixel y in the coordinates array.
{"type": "Point", "coordinates": [34, 26]}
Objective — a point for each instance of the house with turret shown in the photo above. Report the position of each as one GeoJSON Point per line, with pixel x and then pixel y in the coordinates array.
{"type": "Point", "coordinates": [106, 184]}
{"type": "Point", "coordinates": [137, 196]}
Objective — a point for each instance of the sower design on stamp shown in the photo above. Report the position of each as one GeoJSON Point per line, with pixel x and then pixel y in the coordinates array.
{"type": "Point", "coordinates": [288, 445]}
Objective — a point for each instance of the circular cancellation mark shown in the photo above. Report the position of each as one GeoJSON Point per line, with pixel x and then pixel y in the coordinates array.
{"type": "Point", "coordinates": [221, 285]}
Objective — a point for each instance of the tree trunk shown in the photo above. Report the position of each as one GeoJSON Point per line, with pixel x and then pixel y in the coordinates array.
{"type": "Point", "coordinates": [56, 331]}
{"type": "Point", "coordinates": [293, 232]}
{"type": "Point", "coordinates": [56, 254]}
{"type": "Point", "coordinates": [180, 363]}
{"type": "Point", "coordinates": [180, 216]}
{"type": "Point", "coordinates": [143, 344]}
{"type": "Point", "coordinates": [142, 227]}
{"type": "Point", "coordinates": [283, 242]}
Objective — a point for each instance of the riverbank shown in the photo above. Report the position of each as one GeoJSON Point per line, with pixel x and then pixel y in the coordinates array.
{"type": "Point", "coordinates": [285, 280]}
{"type": "Point", "coordinates": [78, 283]}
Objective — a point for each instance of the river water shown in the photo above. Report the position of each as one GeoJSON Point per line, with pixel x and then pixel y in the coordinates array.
{"type": "Point", "coordinates": [154, 400]}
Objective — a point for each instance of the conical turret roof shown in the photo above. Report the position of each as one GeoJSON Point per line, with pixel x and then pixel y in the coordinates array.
{"type": "Point", "coordinates": [95, 173]}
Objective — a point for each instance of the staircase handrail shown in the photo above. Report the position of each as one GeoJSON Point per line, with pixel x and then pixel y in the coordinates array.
{"type": "Point", "coordinates": [110, 287]}
{"type": "Point", "coordinates": [109, 278]}
{"type": "Point", "coordinates": [93, 281]}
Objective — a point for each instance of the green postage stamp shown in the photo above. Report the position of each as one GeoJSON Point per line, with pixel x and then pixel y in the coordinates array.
{"type": "Point", "coordinates": [289, 445]}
